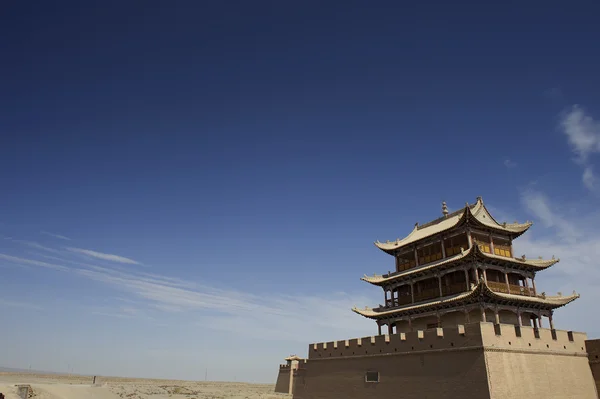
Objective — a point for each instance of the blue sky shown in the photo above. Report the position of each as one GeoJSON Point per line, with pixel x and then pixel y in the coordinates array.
{"type": "Point", "coordinates": [190, 185]}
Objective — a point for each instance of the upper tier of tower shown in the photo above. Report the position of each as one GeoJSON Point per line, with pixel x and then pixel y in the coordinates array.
{"type": "Point", "coordinates": [475, 215]}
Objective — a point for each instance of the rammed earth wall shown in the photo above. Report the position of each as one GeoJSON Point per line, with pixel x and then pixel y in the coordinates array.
{"type": "Point", "coordinates": [480, 360]}
{"type": "Point", "coordinates": [283, 379]}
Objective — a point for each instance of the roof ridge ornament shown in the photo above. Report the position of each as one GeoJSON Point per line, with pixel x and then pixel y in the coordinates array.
{"type": "Point", "coordinates": [444, 209]}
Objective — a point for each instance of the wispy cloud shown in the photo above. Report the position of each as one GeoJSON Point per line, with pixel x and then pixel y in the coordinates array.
{"type": "Point", "coordinates": [60, 237]}
{"type": "Point", "coordinates": [271, 316]}
{"type": "Point", "coordinates": [509, 163]}
{"type": "Point", "coordinates": [583, 135]}
{"type": "Point", "coordinates": [539, 205]}
{"type": "Point", "coordinates": [575, 239]}
{"type": "Point", "coordinates": [103, 256]}
{"type": "Point", "coordinates": [35, 245]}
{"type": "Point", "coordinates": [582, 131]}
{"type": "Point", "coordinates": [589, 179]}
{"type": "Point", "coordinates": [31, 262]}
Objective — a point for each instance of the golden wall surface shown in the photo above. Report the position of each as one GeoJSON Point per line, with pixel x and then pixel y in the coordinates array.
{"type": "Point", "coordinates": [479, 360]}
{"type": "Point", "coordinates": [544, 367]}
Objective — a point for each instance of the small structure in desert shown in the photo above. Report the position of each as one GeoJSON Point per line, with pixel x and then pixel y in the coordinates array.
{"type": "Point", "coordinates": [462, 316]}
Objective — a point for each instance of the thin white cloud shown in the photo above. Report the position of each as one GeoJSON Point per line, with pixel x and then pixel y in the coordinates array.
{"type": "Point", "coordinates": [583, 135]}
{"type": "Point", "coordinates": [510, 164]}
{"type": "Point", "coordinates": [539, 205]}
{"type": "Point", "coordinates": [103, 256]}
{"type": "Point", "coordinates": [589, 179]}
{"type": "Point", "coordinates": [31, 262]}
{"type": "Point", "coordinates": [582, 131]}
{"type": "Point", "coordinates": [60, 237]}
{"type": "Point", "coordinates": [291, 318]}
{"type": "Point", "coordinates": [35, 245]}
{"type": "Point", "coordinates": [576, 241]}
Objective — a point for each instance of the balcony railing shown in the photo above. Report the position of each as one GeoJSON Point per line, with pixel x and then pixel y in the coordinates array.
{"type": "Point", "coordinates": [502, 250]}
{"type": "Point", "coordinates": [510, 289]}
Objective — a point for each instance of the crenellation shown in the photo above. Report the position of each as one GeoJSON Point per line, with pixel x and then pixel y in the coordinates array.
{"type": "Point", "coordinates": [532, 339]}
{"type": "Point", "coordinates": [422, 340]}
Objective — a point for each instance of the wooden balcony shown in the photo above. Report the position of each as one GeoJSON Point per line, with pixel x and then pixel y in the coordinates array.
{"type": "Point", "coordinates": [427, 294]}
{"type": "Point", "coordinates": [400, 301]}
{"type": "Point", "coordinates": [510, 289]}
{"type": "Point", "coordinates": [502, 250]}
{"type": "Point", "coordinates": [455, 288]}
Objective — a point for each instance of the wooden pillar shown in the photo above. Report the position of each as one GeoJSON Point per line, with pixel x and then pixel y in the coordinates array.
{"type": "Point", "coordinates": [520, 318]}
{"type": "Point", "coordinates": [526, 286]}
{"type": "Point", "coordinates": [467, 279]}
{"type": "Point", "coordinates": [469, 239]}
{"type": "Point", "coordinates": [379, 328]}
{"type": "Point", "coordinates": [483, 318]}
{"type": "Point", "coordinates": [412, 292]}
{"type": "Point", "coordinates": [540, 320]}
{"type": "Point", "coordinates": [551, 321]}
{"type": "Point", "coordinates": [390, 328]}
{"type": "Point", "coordinates": [533, 284]}
{"type": "Point", "coordinates": [497, 316]}
{"type": "Point", "coordinates": [416, 257]}
{"type": "Point", "coordinates": [476, 274]}
{"type": "Point", "coordinates": [484, 275]}
{"type": "Point", "coordinates": [443, 248]}
{"type": "Point", "coordinates": [440, 285]}
{"type": "Point", "coordinates": [467, 317]}
{"type": "Point", "coordinates": [491, 244]}
{"type": "Point", "coordinates": [410, 324]}
{"type": "Point", "coordinates": [507, 283]}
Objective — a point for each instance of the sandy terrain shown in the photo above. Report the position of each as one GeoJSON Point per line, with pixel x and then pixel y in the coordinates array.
{"type": "Point", "coordinates": [49, 386]}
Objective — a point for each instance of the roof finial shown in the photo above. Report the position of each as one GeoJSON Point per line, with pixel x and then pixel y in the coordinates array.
{"type": "Point", "coordinates": [444, 209]}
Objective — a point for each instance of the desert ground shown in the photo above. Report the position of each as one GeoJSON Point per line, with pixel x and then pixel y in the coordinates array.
{"type": "Point", "coordinates": [53, 386]}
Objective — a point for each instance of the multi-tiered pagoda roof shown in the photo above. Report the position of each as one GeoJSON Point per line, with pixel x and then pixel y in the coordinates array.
{"type": "Point", "coordinates": [460, 268]}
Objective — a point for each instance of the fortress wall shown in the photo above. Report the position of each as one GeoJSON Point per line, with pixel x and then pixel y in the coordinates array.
{"type": "Point", "coordinates": [498, 361]}
{"type": "Point", "coordinates": [593, 350]}
{"type": "Point", "coordinates": [437, 338]}
{"type": "Point", "coordinates": [542, 364]}
{"type": "Point", "coordinates": [283, 379]}
{"type": "Point", "coordinates": [446, 363]}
